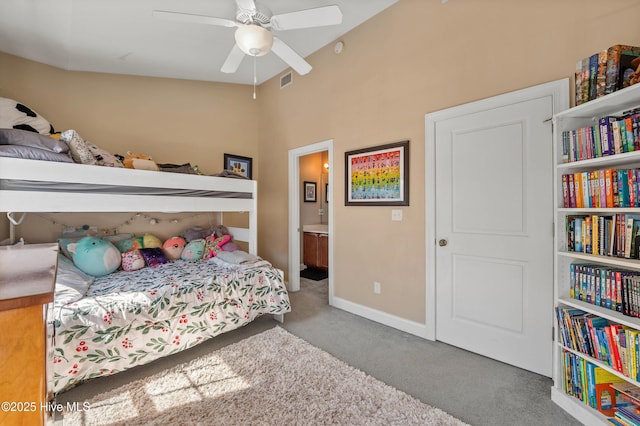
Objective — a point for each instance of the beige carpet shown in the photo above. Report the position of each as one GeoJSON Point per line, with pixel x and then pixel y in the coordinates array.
{"type": "Point", "coordinates": [272, 378]}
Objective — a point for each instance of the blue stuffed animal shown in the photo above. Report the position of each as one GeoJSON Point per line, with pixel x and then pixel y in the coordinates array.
{"type": "Point", "coordinates": [193, 250]}
{"type": "Point", "coordinates": [95, 256]}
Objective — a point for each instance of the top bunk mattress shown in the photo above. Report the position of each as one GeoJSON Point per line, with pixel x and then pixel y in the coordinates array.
{"type": "Point", "coordinates": [32, 185]}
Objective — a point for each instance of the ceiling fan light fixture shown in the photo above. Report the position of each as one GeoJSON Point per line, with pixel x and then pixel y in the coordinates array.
{"type": "Point", "coordinates": [254, 40]}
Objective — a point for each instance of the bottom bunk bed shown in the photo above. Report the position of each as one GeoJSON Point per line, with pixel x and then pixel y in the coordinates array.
{"type": "Point", "coordinates": [109, 324]}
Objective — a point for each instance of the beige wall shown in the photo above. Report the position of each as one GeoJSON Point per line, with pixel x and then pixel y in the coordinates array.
{"type": "Point", "coordinates": [173, 121]}
{"type": "Point", "coordinates": [416, 57]}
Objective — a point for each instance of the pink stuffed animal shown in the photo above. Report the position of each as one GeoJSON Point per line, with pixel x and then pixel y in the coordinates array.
{"type": "Point", "coordinates": [173, 247]}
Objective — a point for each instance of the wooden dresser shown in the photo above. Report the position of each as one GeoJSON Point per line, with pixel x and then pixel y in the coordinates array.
{"type": "Point", "coordinates": [27, 281]}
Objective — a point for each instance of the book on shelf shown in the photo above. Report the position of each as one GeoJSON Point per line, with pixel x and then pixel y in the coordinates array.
{"type": "Point", "coordinates": [630, 390]}
{"type": "Point", "coordinates": [611, 135]}
{"type": "Point", "coordinates": [602, 395]}
{"type": "Point", "coordinates": [608, 184]}
{"type": "Point", "coordinates": [625, 419]}
{"type": "Point", "coordinates": [631, 231]}
{"type": "Point", "coordinates": [619, 59]}
{"type": "Point", "coordinates": [607, 287]}
{"type": "Point", "coordinates": [604, 72]}
{"type": "Point", "coordinates": [601, 78]}
{"type": "Point", "coordinates": [578, 233]}
{"type": "Point", "coordinates": [591, 384]}
{"type": "Point", "coordinates": [606, 133]}
{"type": "Point", "coordinates": [609, 343]}
{"type": "Point", "coordinates": [604, 188]}
{"type": "Point", "coordinates": [593, 75]}
{"type": "Point", "coordinates": [615, 235]}
{"type": "Point", "coordinates": [578, 83]}
{"type": "Point", "coordinates": [618, 146]}
{"type": "Point", "coordinates": [611, 332]}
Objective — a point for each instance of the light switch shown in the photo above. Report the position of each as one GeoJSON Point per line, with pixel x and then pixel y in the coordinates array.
{"type": "Point", "coordinates": [396, 215]}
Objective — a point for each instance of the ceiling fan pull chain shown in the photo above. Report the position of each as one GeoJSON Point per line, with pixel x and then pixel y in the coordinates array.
{"type": "Point", "coordinates": [255, 78]}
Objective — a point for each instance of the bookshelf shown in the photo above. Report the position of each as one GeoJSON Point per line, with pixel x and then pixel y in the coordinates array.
{"type": "Point", "coordinates": [585, 115]}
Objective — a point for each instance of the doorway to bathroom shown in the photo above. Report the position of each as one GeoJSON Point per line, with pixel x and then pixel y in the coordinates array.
{"type": "Point", "coordinates": [314, 244]}
{"type": "Point", "coordinates": [310, 216]}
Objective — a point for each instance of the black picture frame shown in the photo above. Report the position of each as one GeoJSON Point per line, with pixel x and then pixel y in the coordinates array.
{"type": "Point", "coordinates": [239, 164]}
{"type": "Point", "coordinates": [309, 192]}
{"type": "Point", "coordinates": [377, 176]}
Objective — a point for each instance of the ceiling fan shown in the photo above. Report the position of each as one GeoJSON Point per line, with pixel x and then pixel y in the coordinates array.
{"type": "Point", "coordinates": [254, 24]}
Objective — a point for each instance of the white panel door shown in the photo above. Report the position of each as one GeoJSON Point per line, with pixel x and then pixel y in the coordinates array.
{"type": "Point", "coordinates": [494, 224]}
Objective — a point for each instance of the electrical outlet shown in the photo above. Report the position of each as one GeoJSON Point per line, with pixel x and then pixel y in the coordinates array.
{"type": "Point", "coordinates": [321, 212]}
{"type": "Point", "coordinates": [376, 287]}
{"type": "Point", "coordinates": [396, 215]}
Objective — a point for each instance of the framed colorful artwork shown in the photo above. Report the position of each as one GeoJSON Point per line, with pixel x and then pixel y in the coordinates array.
{"type": "Point", "coordinates": [377, 176]}
{"type": "Point", "coordinates": [238, 164]}
{"type": "Point", "coordinates": [310, 192]}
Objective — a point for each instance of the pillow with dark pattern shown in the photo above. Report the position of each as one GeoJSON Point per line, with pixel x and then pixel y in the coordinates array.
{"type": "Point", "coordinates": [14, 115]}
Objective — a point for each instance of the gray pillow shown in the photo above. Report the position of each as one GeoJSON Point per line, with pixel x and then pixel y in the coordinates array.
{"type": "Point", "coordinates": [17, 151]}
{"type": "Point", "coordinates": [34, 140]}
{"type": "Point", "coordinates": [71, 283]}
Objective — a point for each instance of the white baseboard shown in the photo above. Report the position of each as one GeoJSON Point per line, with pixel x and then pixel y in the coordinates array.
{"type": "Point", "coordinates": [402, 324]}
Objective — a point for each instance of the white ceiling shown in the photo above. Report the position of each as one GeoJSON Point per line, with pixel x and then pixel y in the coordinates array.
{"type": "Point", "coordinates": [122, 37]}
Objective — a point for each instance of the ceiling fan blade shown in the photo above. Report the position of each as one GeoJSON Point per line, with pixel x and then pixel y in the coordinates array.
{"type": "Point", "coordinates": [249, 5]}
{"type": "Point", "coordinates": [233, 60]}
{"type": "Point", "coordinates": [288, 55]}
{"type": "Point", "coordinates": [197, 19]}
{"type": "Point", "coordinates": [318, 17]}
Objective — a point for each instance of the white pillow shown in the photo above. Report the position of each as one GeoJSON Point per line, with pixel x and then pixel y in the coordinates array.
{"type": "Point", "coordinates": [71, 283]}
{"type": "Point", "coordinates": [80, 152]}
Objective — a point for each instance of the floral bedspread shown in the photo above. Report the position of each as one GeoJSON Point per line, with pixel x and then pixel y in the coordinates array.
{"type": "Point", "coordinates": [132, 318]}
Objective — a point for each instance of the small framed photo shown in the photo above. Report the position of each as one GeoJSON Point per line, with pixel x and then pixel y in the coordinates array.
{"type": "Point", "coordinates": [309, 192]}
{"type": "Point", "coordinates": [377, 176]}
{"type": "Point", "coordinates": [239, 164]}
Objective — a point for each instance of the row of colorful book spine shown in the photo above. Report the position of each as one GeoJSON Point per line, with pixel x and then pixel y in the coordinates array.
{"type": "Point", "coordinates": [591, 384]}
{"type": "Point", "coordinates": [604, 188]}
{"type": "Point", "coordinates": [612, 135]}
{"type": "Point", "coordinates": [613, 344]}
{"type": "Point", "coordinates": [610, 288]}
{"type": "Point", "coordinates": [616, 235]}
{"type": "Point", "coordinates": [627, 409]}
{"type": "Point", "coordinates": [604, 72]}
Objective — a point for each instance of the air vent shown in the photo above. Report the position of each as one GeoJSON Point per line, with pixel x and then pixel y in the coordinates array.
{"type": "Point", "coordinates": [286, 80]}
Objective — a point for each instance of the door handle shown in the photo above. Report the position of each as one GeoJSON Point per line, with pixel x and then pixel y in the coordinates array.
{"type": "Point", "coordinates": [442, 242]}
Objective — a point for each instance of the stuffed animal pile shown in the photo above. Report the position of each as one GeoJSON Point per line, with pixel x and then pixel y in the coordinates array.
{"type": "Point", "coordinates": [99, 256]}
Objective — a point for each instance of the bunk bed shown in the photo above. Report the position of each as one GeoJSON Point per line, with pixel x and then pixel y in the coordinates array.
{"type": "Point", "coordinates": [112, 323]}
